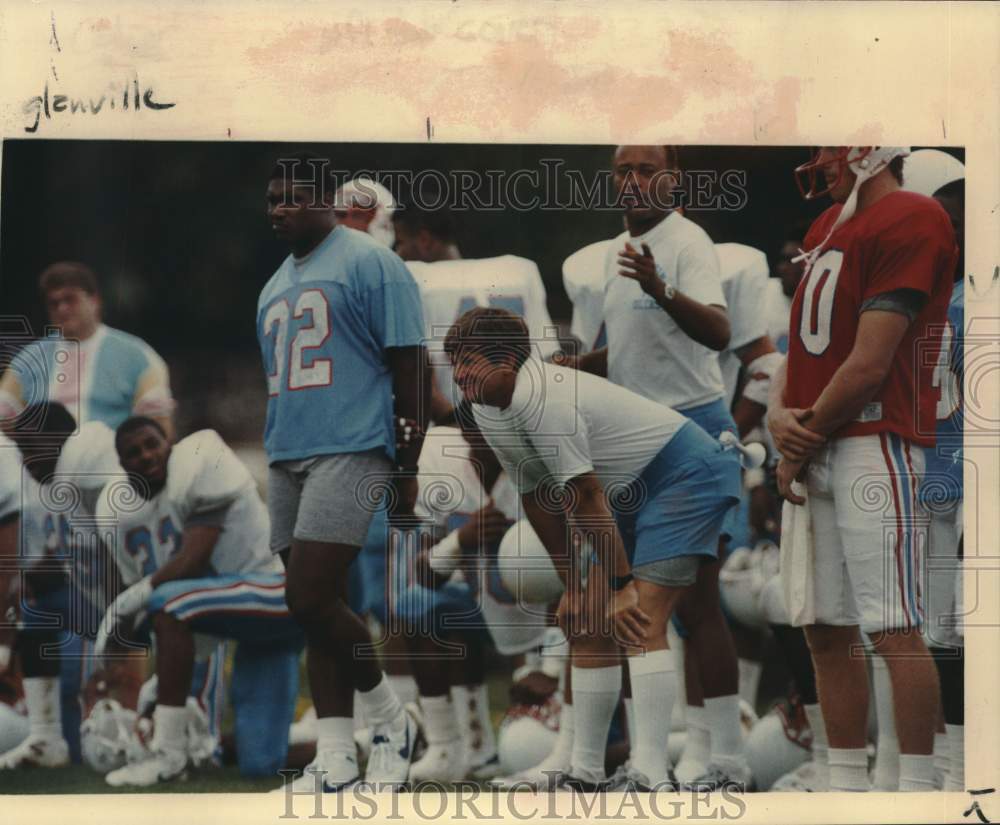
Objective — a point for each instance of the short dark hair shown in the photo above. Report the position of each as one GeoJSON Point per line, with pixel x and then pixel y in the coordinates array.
{"type": "Point", "coordinates": [45, 418]}
{"type": "Point", "coordinates": [306, 169]}
{"type": "Point", "coordinates": [671, 153]}
{"type": "Point", "coordinates": [130, 425]}
{"type": "Point", "coordinates": [896, 168]}
{"type": "Point", "coordinates": [67, 274]}
{"type": "Point", "coordinates": [497, 334]}
{"type": "Point", "coordinates": [438, 222]}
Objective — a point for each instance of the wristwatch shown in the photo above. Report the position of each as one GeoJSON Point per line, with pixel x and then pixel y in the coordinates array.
{"type": "Point", "coordinates": [668, 291]}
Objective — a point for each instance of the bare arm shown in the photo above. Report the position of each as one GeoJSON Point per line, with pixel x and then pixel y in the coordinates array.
{"type": "Point", "coordinates": [411, 386]}
{"type": "Point", "coordinates": [192, 560]}
{"type": "Point", "coordinates": [708, 324]}
{"type": "Point", "coordinates": [747, 413]}
{"type": "Point", "coordinates": [862, 374]}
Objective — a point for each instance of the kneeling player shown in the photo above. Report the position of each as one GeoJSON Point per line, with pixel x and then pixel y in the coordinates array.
{"type": "Point", "coordinates": [580, 449]}
{"type": "Point", "coordinates": [191, 538]}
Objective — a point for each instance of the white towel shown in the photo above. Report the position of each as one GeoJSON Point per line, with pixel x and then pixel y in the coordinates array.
{"type": "Point", "coordinates": [797, 560]}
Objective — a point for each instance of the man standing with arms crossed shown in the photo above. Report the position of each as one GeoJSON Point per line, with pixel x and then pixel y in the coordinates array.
{"type": "Point", "coordinates": [850, 413]}
{"type": "Point", "coordinates": [340, 328]}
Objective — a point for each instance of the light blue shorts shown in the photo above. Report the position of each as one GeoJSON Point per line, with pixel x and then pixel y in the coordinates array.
{"type": "Point", "coordinates": [678, 504]}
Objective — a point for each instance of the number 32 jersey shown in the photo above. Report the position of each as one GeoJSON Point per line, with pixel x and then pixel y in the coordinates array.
{"type": "Point", "coordinates": [324, 322]}
{"type": "Point", "coordinates": [206, 483]}
{"type": "Point", "coordinates": [903, 241]}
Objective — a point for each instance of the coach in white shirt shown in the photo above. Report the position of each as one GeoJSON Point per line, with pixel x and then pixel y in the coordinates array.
{"type": "Point", "coordinates": [666, 321]}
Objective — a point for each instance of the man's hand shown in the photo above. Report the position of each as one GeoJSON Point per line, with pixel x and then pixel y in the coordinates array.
{"type": "Point", "coordinates": [130, 602]}
{"type": "Point", "coordinates": [630, 621]}
{"type": "Point", "coordinates": [793, 440]}
{"type": "Point", "coordinates": [789, 471]}
{"type": "Point", "coordinates": [642, 269]}
{"type": "Point", "coordinates": [487, 525]}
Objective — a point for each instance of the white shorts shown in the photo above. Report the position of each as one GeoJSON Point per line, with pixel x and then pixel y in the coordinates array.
{"type": "Point", "coordinates": [870, 532]}
{"type": "Point", "coordinates": [944, 574]}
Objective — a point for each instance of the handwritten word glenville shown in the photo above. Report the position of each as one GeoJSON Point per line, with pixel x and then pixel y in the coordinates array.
{"type": "Point", "coordinates": [121, 97]}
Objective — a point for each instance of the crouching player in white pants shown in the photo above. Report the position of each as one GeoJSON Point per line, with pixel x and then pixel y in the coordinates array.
{"type": "Point", "coordinates": [191, 540]}
{"type": "Point", "coordinates": [584, 453]}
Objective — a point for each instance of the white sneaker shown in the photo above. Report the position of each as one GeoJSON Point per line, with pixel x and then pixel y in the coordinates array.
{"type": "Point", "coordinates": [335, 772]}
{"type": "Point", "coordinates": [806, 778]}
{"type": "Point", "coordinates": [443, 762]}
{"type": "Point", "coordinates": [392, 751]}
{"type": "Point", "coordinates": [161, 766]}
{"type": "Point", "coordinates": [542, 777]}
{"type": "Point", "coordinates": [36, 752]}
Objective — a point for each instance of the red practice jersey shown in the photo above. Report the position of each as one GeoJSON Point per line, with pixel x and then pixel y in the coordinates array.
{"type": "Point", "coordinates": [903, 241]}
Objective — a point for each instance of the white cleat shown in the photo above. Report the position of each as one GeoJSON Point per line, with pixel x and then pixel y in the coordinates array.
{"type": "Point", "coordinates": [392, 749]}
{"type": "Point", "coordinates": [160, 766]}
{"type": "Point", "coordinates": [330, 772]}
{"type": "Point", "coordinates": [36, 752]}
{"type": "Point", "coordinates": [483, 766]}
{"type": "Point", "coordinates": [443, 762]}
{"type": "Point", "coordinates": [717, 778]}
{"type": "Point", "coordinates": [806, 778]}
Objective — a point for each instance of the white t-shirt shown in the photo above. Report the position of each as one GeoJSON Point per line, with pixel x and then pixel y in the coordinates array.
{"type": "Point", "coordinates": [647, 352]}
{"type": "Point", "coordinates": [448, 289]}
{"type": "Point", "coordinates": [203, 475]}
{"type": "Point", "coordinates": [779, 311]}
{"type": "Point", "coordinates": [744, 283]}
{"type": "Point", "coordinates": [583, 278]}
{"type": "Point", "coordinates": [562, 423]}
{"type": "Point", "coordinates": [10, 477]}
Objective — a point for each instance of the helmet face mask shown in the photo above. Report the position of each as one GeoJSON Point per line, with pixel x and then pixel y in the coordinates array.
{"type": "Point", "coordinates": [809, 174]}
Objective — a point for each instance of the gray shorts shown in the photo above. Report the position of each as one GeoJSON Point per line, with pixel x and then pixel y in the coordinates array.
{"type": "Point", "coordinates": [328, 498]}
{"type": "Point", "coordinates": [677, 571]}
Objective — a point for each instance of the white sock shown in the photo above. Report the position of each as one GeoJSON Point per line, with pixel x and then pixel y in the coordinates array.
{"type": "Point", "coordinates": [336, 734]}
{"type": "Point", "coordinates": [722, 717]}
{"type": "Point", "coordinates": [630, 720]}
{"type": "Point", "coordinates": [848, 769]}
{"type": "Point", "coordinates": [653, 694]}
{"type": "Point", "coordinates": [595, 696]}
{"type": "Point", "coordinates": [170, 728]}
{"type": "Point", "coordinates": [820, 746]}
{"type": "Point", "coordinates": [698, 745]}
{"type": "Point", "coordinates": [749, 680]}
{"type": "Point", "coordinates": [956, 758]}
{"type": "Point", "coordinates": [886, 776]}
{"type": "Point", "coordinates": [404, 686]}
{"type": "Point", "coordinates": [460, 699]}
{"type": "Point", "coordinates": [942, 760]}
{"type": "Point", "coordinates": [381, 705]}
{"type": "Point", "coordinates": [481, 736]}
{"type": "Point", "coordinates": [916, 772]}
{"type": "Point", "coordinates": [440, 721]}
{"type": "Point", "coordinates": [560, 755]}
{"type": "Point", "coordinates": [359, 720]}
{"type": "Point", "coordinates": [41, 695]}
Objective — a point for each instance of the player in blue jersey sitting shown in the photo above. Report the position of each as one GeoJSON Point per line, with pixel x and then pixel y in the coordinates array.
{"type": "Point", "coordinates": [340, 328]}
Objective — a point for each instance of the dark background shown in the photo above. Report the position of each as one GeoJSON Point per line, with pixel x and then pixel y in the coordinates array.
{"type": "Point", "coordinates": [177, 234]}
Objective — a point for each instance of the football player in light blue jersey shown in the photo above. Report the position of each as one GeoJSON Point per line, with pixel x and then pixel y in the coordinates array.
{"type": "Point", "coordinates": [341, 328]}
{"type": "Point", "coordinates": [108, 377]}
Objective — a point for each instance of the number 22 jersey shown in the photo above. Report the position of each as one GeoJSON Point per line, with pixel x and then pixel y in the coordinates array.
{"type": "Point", "coordinates": [902, 241]}
{"type": "Point", "coordinates": [324, 322]}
